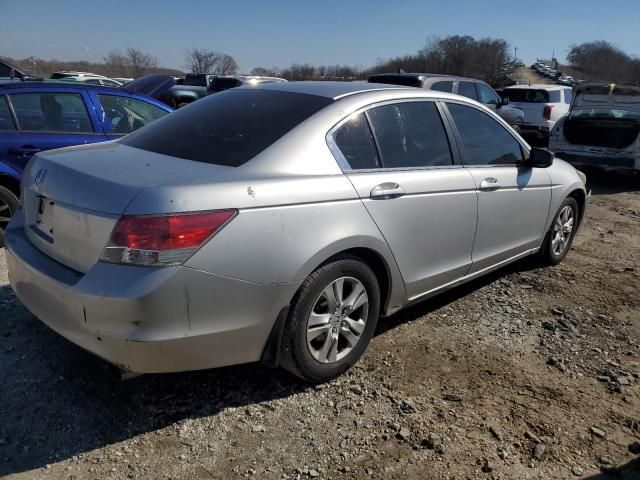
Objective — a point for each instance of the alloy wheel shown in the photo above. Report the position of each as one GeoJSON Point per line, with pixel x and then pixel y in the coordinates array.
{"type": "Point", "coordinates": [5, 214]}
{"type": "Point", "coordinates": [337, 319]}
{"type": "Point", "coordinates": [562, 230]}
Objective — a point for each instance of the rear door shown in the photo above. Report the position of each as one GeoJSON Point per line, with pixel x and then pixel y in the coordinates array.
{"type": "Point", "coordinates": [513, 200]}
{"type": "Point", "coordinates": [47, 120]}
{"type": "Point", "coordinates": [398, 157]}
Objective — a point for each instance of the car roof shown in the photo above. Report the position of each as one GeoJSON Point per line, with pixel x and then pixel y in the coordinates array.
{"type": "Point", "coordinates": [538, 86]}
{"type": "Point", "coordinates": [334, 90]}
{"type": "Point", "coordinates": [61, 85]}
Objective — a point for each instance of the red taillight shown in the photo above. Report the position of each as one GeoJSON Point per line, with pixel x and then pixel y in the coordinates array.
{"type": "Point", "coordinates": [168, 232]}
{"type": "Point", "coordinates": [547, 112]}
{"type": "Point", "coordinates": [162, 239]}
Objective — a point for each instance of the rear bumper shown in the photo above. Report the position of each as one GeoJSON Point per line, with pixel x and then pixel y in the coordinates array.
{"type": "Point", "coordinates": [146, 320]}
{"type": "Point", "coordinates": [605, 162]}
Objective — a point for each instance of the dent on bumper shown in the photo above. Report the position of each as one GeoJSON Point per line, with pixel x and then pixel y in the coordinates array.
{"type": "Point", "coordinates": [147, 320]}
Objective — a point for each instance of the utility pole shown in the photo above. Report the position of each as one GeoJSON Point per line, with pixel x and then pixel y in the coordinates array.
{"type": "Point", "coordinates": [515, 54]}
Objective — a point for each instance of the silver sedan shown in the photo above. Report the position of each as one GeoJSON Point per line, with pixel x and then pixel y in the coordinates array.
{"type": "Point", "coordinates": [277, 223]}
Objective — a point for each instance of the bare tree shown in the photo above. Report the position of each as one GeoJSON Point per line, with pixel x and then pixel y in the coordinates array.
{"type": "Point", "coordinates": [139, 62]}
{"type": "Point", "coordinates": [210, 61]}
{"type": "Point", "coordinates": [116, 63]}
{"type": "Point", "coordinates": [200, 61]}
{"type": "Point", "coordinates": [226, 65]}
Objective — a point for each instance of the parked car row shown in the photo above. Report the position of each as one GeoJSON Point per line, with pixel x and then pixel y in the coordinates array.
{"type": "Point", "coordinates": [560, 78]}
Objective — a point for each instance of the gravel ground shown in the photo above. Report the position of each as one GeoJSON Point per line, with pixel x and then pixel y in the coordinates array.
{"type": "Point", "coordinates": [527, 374]}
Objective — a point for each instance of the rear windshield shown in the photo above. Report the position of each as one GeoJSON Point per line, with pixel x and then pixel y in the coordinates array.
{"type": "Point", "coordinates": [527, 95]}
{"type": "Point", "coordinates": [227, 128]}
{"type": "Point", "coordinates": [404, 80]}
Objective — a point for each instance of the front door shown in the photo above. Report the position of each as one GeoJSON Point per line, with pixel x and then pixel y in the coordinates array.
{"type": "Point", "coordinates": [513, 200]}
{"type": "Point", "coordinates": [400, 162]}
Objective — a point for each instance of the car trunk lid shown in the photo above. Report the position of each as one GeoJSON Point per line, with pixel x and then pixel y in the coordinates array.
{"type": "Point", "coordinates": [604, 116]}
{"type": "Point", "coordinates": [72, 198]}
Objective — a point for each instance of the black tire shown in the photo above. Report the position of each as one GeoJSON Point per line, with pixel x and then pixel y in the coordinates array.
{"type": "Point", "coordinates": [295, 355]}
{"type": "Point", "coordinates": [546, 255]}
{"type": "Point", "coordinates": [8, 202]}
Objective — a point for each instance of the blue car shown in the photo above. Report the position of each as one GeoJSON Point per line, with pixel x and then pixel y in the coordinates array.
{"type": "Point", "coordinates": [37, 116]}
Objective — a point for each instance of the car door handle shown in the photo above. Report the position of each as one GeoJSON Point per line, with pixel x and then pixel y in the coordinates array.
{"type": "Point", "coordinates": [386, 191]}
{"type": "Point", "coordinates": [24, 151]}
{"type": "Point", "coordinates": [489, 184]}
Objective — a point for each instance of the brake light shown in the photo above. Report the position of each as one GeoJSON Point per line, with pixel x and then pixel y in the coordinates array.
{"type": "Point", "coordinates": [547, 112]}
{"type": "Point", "coordinates": [161, 240]}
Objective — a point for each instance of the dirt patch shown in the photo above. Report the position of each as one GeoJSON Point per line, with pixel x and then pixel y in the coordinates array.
{"type": "Point", "coordinates": [529, 373]}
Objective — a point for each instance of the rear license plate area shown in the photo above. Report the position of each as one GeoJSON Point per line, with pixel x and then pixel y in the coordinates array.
{"type": "Point", "coordinates": [44, 218]}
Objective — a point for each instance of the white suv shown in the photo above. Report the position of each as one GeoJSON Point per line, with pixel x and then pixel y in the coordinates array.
{"type": "Point", "coordinates": [543, 106]}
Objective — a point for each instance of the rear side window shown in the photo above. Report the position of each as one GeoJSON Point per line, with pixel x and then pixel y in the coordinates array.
{"type": "Point", "coordinates": [554, 96]}
{"type": "Point", "coordinates": [568, 95]}
{"type": "Point", "coordinates": [124, 115]}
{"type": "Point", "coordinates": [228, 128]}
{"type": "Point", "coordinates": [51, 112]}
{"type": "Point", "coordinates": [355, 141]}
{"type": "Point", "coordinates": [467, 89]}
{"type": "Point", "coordinates": [443, 87]}
{"type": "Point", "coordinates": [6, 121]}
{"type": "Point", "coordinates": [487, 95]}
{"type": "Point", "coordinates": [410, 135]}
{"type": "Point", "coordinates": [486, 142]}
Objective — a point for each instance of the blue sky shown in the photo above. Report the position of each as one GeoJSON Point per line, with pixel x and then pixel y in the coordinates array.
{"type": "Point", "coordinates": [277, 33]}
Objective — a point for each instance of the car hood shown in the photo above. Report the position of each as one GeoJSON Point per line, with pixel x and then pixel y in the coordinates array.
{"type": "Point", "coordinates": [154, 86]}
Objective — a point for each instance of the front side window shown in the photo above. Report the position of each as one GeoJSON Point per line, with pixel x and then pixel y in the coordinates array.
{"type": "Point", "coordinates": [355, 141]}
{"type": "Point", "coordinates": [6, 121]}
{"type": "Point", "coordinates": [467, 89]}
{"type": "Point", "coordinates": [124, 115]}
{"type": "Point", "coordinates": [228, 128]}
{"type": "Point", "coordinates": [446, 86]}
{"type": "Point", "coordinates": [487, 95]}
{"type": "Point", "coordinates": [410, 134]}
{"type": "Point", "coordinates": [486, 142]}
{"type": "Point", "coordinates": [51, 112]}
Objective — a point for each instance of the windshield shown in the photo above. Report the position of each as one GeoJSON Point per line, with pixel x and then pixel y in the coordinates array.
{"type": "Point", "coordinates": [605, 113]}
{"type": "Point", "coordinates": [228, 128]}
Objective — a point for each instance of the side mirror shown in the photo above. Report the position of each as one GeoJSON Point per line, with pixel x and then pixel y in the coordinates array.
{"type": "Point", "coordinates": [504, 101]}
{"type": "Point", "coordinates": [539, 158]}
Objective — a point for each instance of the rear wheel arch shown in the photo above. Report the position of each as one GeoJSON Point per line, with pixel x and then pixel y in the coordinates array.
{"type": "Point", "coordinates": [10, 183]}
{"type": "Point", "coordinates": [374, 260]}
